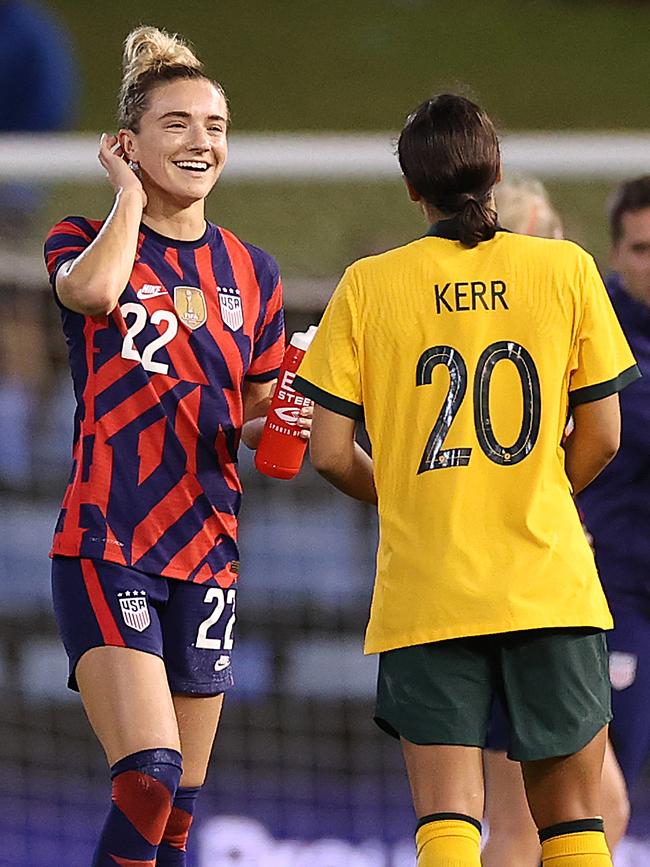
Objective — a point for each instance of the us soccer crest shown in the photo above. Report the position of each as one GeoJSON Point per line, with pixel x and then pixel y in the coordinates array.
{"type": "Point", "coordinates": [135, 609]}
{"type": "Point", "coordinates": [190, 306]}
{"type": "Point", "coordinates": [232, 311]}
{"type": "Point", "coordinates": [622, 669]}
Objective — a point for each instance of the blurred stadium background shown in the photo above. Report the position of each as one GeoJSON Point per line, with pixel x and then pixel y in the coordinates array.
{"type": "Point", "coordinates": [300, 775]}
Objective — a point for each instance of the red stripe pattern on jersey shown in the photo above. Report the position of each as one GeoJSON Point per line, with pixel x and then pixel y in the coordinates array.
{"type": "Point", "coordinates": [158, 384]}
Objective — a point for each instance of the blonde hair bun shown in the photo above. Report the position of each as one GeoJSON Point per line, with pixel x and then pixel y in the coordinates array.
{"type": "Point", "coordinates": [149, 49]}
{"type": "Point", "coordinates": [523, 206]}
{"type": "Point", "coordinates": [151, 57]}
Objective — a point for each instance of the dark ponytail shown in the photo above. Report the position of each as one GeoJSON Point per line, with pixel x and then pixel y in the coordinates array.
{"type": "Point", "coordinates": [449, 153]}
{"type": "Point", "coordinates": [477, 222]}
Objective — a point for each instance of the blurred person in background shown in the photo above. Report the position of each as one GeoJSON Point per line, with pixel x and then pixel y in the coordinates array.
{"type": "Point", "coordinates": [175, 330]}
{"type": "Point", "coordinates": [523, 206]}
{"type": "Point", "coordinates": [38, 94]}
{"type": "Point", "coordinates": [617, 506]}
{"type": "Point", "coordinates": [485, 580]}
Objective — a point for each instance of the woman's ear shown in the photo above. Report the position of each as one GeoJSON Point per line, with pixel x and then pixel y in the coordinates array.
{"type": "Point", "coordinates": [414, 196]}
{"type": "Point", "coordinates": [128, 144]}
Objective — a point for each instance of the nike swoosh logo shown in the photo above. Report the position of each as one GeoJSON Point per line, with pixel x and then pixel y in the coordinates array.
{"type": "Point", "coordinates": [221, 663]}
{"type": "Point", "coordinates": [150, 290]}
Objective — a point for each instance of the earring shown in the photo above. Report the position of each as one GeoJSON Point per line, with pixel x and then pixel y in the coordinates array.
{"type": "Point", "coordinates": [135, 166]}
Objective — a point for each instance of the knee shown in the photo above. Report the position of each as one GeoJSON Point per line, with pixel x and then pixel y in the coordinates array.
{"type": "Point", "coordinates": [180, 820]}
{"type": "Point", "coordinates": [144, 785]}
{"type": "Point", "coordinates": [177, 830]}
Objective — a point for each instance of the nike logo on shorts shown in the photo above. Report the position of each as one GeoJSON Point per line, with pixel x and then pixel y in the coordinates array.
{"type": "Point", "coordinates": [222, 662]}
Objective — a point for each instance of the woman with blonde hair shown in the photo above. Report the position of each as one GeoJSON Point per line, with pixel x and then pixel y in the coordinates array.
{"type": "Point", "coordinates": [524, 206]}
{"type": "Point", "coordinates": [175, 334]}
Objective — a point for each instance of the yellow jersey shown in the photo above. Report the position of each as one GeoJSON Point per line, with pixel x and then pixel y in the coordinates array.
{"type": "Point", "coordinates": [464, 363]}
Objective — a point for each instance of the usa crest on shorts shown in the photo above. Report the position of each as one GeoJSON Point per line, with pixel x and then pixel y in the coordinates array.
{"type": "Point", "coordinates": [190, 306]}
{"type": "Point", "coordinates": [232, 311]}
{"type": "Point", "coordinates": [622, 669]}
{"type": "Point", "coordinates": [135, 609]}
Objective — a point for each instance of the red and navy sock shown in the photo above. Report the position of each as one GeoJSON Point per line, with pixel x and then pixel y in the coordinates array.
{"type": "Point", "coordinates": [144, 786]}
{"type": "Point", "coordinates": [173, 848]}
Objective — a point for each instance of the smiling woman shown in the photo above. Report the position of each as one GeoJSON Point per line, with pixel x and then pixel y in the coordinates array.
{"type": "Point", "coordinates": [167, 381]}
{"type": "Point", "coordinates": [179, 147]}
{"type": "Point", "coordinates": [174, 120]}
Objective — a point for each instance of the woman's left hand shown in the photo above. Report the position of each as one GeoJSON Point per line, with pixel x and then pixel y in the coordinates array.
{"type": "Point", "coordinates": [305, 420]}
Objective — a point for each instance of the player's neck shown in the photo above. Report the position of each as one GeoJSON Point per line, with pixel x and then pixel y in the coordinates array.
{"type": "Point", "coordinates": [435, 215]}
{"type": "Point", "coordinates": [432, 214]}
{"type": "Point", "coordinates": [174, 221]}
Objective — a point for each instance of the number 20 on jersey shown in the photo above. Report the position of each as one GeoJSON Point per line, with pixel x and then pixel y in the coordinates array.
{"type": "Point", "coordinates": [436, 457]}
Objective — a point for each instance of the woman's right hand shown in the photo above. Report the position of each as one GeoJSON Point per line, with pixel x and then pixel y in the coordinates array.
{"type": "Point", "coordinates": [120, 175]}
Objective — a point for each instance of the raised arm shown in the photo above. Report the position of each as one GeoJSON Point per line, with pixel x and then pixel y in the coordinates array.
{"type": "Point", "coordinates": [594, 440]}
{"type": "Point", "coordinates": [92, 283]}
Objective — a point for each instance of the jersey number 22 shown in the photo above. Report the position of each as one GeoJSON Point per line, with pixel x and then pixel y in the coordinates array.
{"type": "Point", "coordinates": [129, 349]}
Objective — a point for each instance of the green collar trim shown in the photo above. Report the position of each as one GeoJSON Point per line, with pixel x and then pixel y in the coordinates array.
{"type": "Point", "coordinates": [449, 229]}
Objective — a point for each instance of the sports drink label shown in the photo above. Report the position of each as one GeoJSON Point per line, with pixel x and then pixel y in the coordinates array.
{"type": "Point", "coordinates": [284, 419]}
{"type": "Point", "coordinates": [282, 448]}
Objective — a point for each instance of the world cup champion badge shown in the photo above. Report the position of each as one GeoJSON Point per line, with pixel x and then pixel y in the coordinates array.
{"type": "Point", "coordinates": [232, 311]}
{"type": "Point", "coordinates": [190, 306]}
{"type": "Point", "coordinates": [135, 609]}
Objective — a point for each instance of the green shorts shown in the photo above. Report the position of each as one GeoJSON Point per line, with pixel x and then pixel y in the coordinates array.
{"type": "Point", "coordinates": [554, 684]}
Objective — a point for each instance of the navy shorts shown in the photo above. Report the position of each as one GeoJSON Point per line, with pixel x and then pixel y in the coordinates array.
{"type": "Point", "coordinates": [629, 673]}
{"type": "Point", "coordinates": [498, 734]}
{"type": "Point", "coordinates": [189, 626]}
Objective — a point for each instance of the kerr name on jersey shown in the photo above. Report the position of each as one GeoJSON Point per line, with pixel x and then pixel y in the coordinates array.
{"type": "Point", "coordinates": [459, 297]}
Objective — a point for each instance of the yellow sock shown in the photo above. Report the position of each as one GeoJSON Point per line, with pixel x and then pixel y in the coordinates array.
{"type": "Point", "coordinates": [581, 849]}
{"type": "Point", "coordinates": [448, 843]}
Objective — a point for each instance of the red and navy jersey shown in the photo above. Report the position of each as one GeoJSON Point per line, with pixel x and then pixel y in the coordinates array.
{"type": "Point", "coordinates": [158, 384]}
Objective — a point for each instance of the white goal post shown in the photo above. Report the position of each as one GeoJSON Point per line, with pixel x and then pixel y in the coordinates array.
{"type": "Point", "coordinates": [332, 156]}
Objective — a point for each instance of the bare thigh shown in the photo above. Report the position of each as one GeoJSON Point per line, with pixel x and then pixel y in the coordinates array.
{"type": "Point", "coordinates": [513, 835]}
{"type": "Point", "coordinates": [445, 779]}
{"type": "Point", "coordinates": [198, 718]}
{"type": "Point", "coordinates": [127, 700]}
{"type": "Point", "coordinates": [567, 788]}
{"type": "Point", "coordinates": [506, 803]}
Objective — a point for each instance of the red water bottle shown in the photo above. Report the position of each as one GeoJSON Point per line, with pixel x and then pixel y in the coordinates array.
{"type": "Point", "coordinates": [282, 449]}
